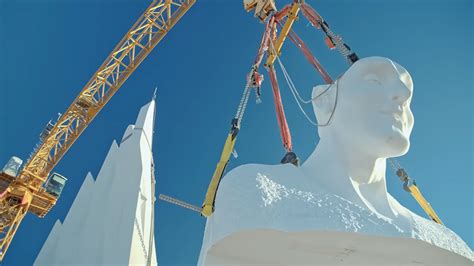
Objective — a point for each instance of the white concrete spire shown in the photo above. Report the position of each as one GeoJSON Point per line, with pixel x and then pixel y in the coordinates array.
{"type": "Point", "coordinates": [111, 219]}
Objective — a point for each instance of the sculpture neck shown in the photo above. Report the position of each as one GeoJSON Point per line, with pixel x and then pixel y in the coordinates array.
{"type": "Point", "coordinates": [350, 173]}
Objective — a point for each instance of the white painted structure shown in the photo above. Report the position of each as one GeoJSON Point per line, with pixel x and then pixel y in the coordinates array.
{"type": "Point", "coordinates": [335, 208]}
{"type": "Point", "coordinates": [111, 219]}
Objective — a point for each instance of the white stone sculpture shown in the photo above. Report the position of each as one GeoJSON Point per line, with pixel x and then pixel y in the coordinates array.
{"type": "Point", "coordinates": [111, 219]}
{"type": "Point", "coordinates": [334, 208]}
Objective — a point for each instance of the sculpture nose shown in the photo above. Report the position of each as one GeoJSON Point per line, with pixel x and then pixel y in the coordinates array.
{"type": "Point", "coordinates": [401, 92]}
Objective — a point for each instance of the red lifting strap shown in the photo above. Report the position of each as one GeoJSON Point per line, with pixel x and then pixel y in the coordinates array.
{"type": "Point", "coordinates": [307, 53]}
{"type": "Point", "coordinates": [280, 112]}
{"type": "Point", "coordinates": [264, 42]}
{"type": "Point", "coordinates": [282, 13]}
{"type": "Point", "coordinates": [311, 15]}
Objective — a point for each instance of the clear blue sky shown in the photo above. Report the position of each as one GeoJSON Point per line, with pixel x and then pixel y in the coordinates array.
{"type": "Point", "coordinates": [50, 49]}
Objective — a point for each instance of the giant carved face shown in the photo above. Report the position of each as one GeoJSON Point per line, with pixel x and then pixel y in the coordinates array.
{"type": "Point", "coordinates": [372, 113]}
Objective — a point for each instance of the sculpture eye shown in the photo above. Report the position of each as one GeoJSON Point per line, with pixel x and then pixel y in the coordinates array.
{"type": "Point", "coordinates": [373, 79]}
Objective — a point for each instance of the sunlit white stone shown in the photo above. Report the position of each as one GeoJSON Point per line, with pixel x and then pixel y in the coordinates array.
{"type": "Point", "coordinates": [110, 221]}
{"type": "Point", "coordinates": [335, 208]}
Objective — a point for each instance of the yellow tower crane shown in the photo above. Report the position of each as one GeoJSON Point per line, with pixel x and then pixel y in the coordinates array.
{"type": "Point", "coordinates": [26, 191]}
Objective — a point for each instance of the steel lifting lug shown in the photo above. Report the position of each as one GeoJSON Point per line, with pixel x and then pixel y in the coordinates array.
{"type": "Point", "coordinates": [234, 123]}
{"type": "Point", "coordinates": [353, 57]}
{"type": "Point", "coordinates": [408, 183]}
{"type": "Point", "coordinates": [290, 157]}
{"type": "Point", "coordinates": [235, 127]}
{"type": "Point", "coordinates": [402, 174]}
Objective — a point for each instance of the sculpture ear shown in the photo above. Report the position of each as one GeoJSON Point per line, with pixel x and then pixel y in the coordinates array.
{"type": "Point", "coordinates": [323, 104]}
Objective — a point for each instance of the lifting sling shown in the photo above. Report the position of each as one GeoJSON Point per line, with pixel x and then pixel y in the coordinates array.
{"type": "Point", "coordinates": [410, 186]}
{"type": "Point", "coordinates": [254, 80]}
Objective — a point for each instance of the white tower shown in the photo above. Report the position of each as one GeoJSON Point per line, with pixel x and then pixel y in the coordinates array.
{"type": "Point", "coordinates": [111, 219]}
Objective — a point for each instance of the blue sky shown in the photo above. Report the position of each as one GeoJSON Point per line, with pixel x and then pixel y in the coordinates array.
{"type": "Point", "coordinates": [50, 49]}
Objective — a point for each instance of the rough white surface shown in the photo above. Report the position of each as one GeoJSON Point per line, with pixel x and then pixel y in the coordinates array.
{"type": "Point", "coordinates": [110, 219]}
{"type": "Point", "coordinates": [340, 188]}
{"type": "Point", "coordinates": [271, 247]}
{"type": "Point", "coordinates": [255, 198]}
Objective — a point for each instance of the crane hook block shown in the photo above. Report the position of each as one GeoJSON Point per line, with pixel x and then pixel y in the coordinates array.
{"type": "Point", "coordinates": [263, 8]}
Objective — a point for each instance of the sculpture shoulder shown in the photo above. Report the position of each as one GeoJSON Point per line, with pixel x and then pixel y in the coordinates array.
{"type": "Point", "coordinates": [441, 236]}
{"type": "Point", "coordinates": [242, 179]}
{"type": "Point", "coordinates": [434, 233]}
{"type": "Point", "coordinates": [245, 184]}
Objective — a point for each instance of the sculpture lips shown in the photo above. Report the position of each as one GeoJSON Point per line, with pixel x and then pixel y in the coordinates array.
{"type": "Point", "coordinates": [397, 116]}
{"type": "Point", "coordinates": [400, 124]}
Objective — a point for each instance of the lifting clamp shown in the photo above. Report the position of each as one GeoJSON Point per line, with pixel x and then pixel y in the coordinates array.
{"type": "Point", "coordinates": [410, 186]}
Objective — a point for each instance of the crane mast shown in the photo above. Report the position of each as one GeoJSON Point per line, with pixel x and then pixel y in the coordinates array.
{"type": "Point", "coordinates": [26, 193]}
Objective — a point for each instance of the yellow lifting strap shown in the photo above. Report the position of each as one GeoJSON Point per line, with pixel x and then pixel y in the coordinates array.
{"type": "Point", "coordinates": [292, 16]}
{"type": "Point", "coordinates": [409, 185]}
{"type": "Point", "coordinates": [209, 201]}
{"type": "Point", "coordinates": [416, 193]}
{"type": "Point", "coordinates": [208, 205]}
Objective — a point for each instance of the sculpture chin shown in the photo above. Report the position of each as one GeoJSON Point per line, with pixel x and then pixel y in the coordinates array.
{"type": "Point", "coordinates": [381, 142]}
{"type": "Point", "coordinates": [391, 144]}
{"type": "Point", "coordinates": [385, 139]}
{"type": "Point", "coordinates": [399, 142]}
{"type": "Point", "coordinates": [397, 146]}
